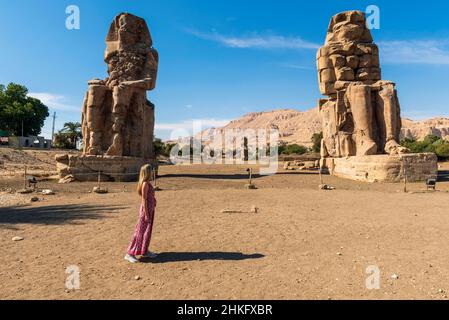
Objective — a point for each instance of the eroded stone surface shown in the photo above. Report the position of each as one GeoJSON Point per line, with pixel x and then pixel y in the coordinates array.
{"type": "Point", "coordinates": [362, 114]}
{"type": "Point", "coordinates": [117, 118]}
{"type": "Point", "coordinates": [103, 168]}
{"type": "Point", "coordinates": [385, 168]}
{"type": "Point", "coordinates": [361, 118]}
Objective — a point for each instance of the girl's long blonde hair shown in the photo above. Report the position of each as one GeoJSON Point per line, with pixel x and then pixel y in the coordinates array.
{"type": "Point", "coordinates": [145, 176]}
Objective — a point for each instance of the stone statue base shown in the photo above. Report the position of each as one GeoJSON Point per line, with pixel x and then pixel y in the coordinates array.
{"type": "Point", "coordinates": [384, 168]}
{"type": "Point", "coordinates": [89, 168]}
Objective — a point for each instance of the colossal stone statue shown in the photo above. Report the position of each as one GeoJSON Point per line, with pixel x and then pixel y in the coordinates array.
{"type": "Point", "coordinates": [117, 118]}
{"type": "Point", "coordinates": [361, 116]}
{"type": "Point", "coordinates": [364, 109]}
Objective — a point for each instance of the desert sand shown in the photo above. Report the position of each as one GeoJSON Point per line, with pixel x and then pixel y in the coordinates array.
{"type": "Point", "coordinates": [303, 243]}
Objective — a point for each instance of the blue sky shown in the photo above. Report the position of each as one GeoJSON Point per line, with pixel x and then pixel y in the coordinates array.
{"type": "Point", "coordinates": [221, 59]}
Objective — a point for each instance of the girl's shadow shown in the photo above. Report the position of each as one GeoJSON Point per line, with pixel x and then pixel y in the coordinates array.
{"type": "Point", "coordinates": [166, 257]}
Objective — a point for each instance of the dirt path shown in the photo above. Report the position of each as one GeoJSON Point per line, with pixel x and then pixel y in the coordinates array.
{"type": "Point", "coordinates": [304, 243]}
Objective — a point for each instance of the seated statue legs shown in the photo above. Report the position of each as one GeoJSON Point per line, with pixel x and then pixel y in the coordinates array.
{"type": "Point", "coordinates": [121, 100]}
{"type": "Point", "coordinates": [389, 104]}
{"type": "Point", "coordinates": [359, 96]}
{"type": "Point", "coordinates": [94, 110]}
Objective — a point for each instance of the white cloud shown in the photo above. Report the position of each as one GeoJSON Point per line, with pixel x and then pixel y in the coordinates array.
{"type": "Point", "coordinates": [195, 125]}
{"type": "Point", "coordinates": [420, 51]}
{"type": "Point", "coordinates": [435, 52]}
{"type": "Point", "coordinates": [270, 41]}
{"type": "Point", "coordinates": [297, 66]}
{"type": "Point", "coordinates": [54, 101]}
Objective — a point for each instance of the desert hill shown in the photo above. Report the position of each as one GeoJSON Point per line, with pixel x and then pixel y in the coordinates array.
{"type": "Point", "coordinates": [298, 126]}
{"type": "Point", "coordinates": [294, 126]}
{"type": "Point", "coordinates": [420, 129]}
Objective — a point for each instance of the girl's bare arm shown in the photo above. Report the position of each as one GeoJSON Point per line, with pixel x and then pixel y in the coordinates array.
{"type": "Point", "coordinates": [145, 200]}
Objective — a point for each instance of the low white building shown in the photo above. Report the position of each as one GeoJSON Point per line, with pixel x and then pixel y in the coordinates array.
{"type": "Point", "coordinates": [30, 142]}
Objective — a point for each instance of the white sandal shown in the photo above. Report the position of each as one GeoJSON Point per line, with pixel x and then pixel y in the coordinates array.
{"type": "Point", "coordinates": [131, 258]}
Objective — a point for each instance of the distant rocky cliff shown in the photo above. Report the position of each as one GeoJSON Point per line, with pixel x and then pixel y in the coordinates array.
{"type": "Point", "coordinates": [298, 126]}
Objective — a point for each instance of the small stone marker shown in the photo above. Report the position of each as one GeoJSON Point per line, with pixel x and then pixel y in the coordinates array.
{"type": "Point", "coordinates": [254, 209]}
{"type": "Point", "coordinates": [67, 179]}
{"type": "Point", "coordinates": [250, 186]}
{"type": "Point", "coordinates": [100, 190]}
{"type": "Point", "coordinates": [18, 238]}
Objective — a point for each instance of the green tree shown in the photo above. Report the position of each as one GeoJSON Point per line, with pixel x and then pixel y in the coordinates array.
{"type": "Point", "coordinates": [19, 112]}
{"type": "Point", "coordinates": [413, 145]}
{"type": "Point", "coordinates": [68, 136]}
{"type": "Point", "coordinates": [442, 150]}
{"type": "Point", "coordinates": [316, 140]}
{"type": "Point", "coordinates": [430, 143]}
{"type": "Point", "coordinates": [292, 149]}
{"type": "Point", "coordinates": [161, 148]}
{"type": "Point", "coordinates": [431, 139]}
{"type": "Point", "coordinates": [167, 148]}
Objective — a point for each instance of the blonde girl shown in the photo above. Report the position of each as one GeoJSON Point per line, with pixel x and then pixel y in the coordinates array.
{"type": "Point", "coordinates": [144, 228]}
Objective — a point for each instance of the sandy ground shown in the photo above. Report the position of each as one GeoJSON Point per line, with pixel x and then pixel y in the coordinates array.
{"type": "Point", "coordinates": [303, 244]}
{"type": "Point", "coordinates": [37, 162]}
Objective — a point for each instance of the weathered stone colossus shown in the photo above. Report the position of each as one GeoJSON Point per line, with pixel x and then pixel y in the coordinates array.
{"type": "Point", "coordinates": [117, 118]}
{"type": "Point", "coordinates": [119, 102]}
{"type": "Point", "coordinates": [361, 116]}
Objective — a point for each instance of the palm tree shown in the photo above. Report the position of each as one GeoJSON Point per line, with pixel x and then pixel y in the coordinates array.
{"type": "Point", "coordinates": [72, 130]}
